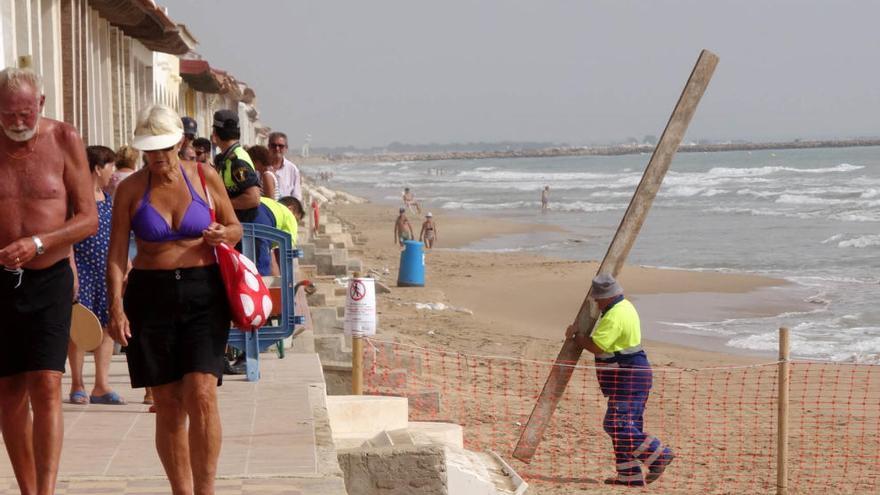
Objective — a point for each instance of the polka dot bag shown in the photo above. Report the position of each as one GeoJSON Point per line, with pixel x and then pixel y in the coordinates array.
{"type": "Point", "coordinates": [249, 300]}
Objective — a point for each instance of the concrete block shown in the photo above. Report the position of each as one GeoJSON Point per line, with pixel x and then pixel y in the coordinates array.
{"type": "Point", "coordinates": [354, 265]}
{"type": "Point", "coordinates": [330, 228]}
{"type": "Point", "coordinates": [325, 320]}
{"type": "Point", "coordinates": [306, 272]}
{"type": "Point", "coordinates": [409, 470]}
{"type": "Point", "coordinates": [332, 347]}
{"type": "Point", "coordinates": [439, 433]}
{"type": "Point", "coordinates": [304, 342]}
{"type": "Point", "coordinates": [366, 415]}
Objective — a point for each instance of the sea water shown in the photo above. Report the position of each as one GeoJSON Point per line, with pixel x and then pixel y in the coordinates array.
{"type": "Point", "coordinates": [809, 216]}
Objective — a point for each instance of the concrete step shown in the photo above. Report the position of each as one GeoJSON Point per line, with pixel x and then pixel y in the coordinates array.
{"type": "Point", "coordinates": [307, 272]}
{"type": "Point", "coordinates": [330, 228]}
{"type": "Point", "coordinates": [326, 321]}
{"type": "Point", "coordinates": [333, 347]}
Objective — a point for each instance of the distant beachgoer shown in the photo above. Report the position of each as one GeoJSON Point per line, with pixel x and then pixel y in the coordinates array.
{"type": "Point", "coordinates": [126, 164]}
{"type": "Point", "coordinates": [90, 255]}
{"type": "Point", "coordinates": [316, 216]}
{"type": "Point", "coordinates": [428, 235]}
{"type": "Point", "coordinates": [409, 201]}
{"type": "Point", "coordinates": [402, 229]}
{"type": "Point", "coordinates": [625, 378]}
{"type": "Point", "coordinates": [545, 199]}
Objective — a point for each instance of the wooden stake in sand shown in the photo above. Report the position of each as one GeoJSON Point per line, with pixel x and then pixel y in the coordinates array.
{"type": "Point", "coordinates": [619, 249]}
{"type": "Point", "coordinates": [782, 417]}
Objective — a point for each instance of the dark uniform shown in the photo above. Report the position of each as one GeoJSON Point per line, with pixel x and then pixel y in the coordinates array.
{"type": "Point", "coordinates": [238, 173]}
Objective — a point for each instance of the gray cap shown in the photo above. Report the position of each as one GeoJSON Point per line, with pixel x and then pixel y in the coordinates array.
{"type": "Point", "coordinates": [604, 286]}
{"type": "Point", "coordinates": [226, 119]}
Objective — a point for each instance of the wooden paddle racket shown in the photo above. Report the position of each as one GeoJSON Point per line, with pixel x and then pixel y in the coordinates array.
{"type": "Point", "coordinates": [85, 328]}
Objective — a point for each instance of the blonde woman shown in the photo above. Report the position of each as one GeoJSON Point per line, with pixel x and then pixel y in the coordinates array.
{"type": "Point", "coordinates": [174, 316]}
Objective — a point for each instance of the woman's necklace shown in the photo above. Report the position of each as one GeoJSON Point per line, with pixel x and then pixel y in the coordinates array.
{"type": "Point", "coordinates": [29, 150]}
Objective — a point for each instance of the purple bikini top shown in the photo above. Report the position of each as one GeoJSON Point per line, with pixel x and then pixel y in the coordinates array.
{"type": "Point", "coordinates": [148, 225]}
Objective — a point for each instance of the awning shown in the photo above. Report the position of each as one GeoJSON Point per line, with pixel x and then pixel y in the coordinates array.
{"type": "Point", "coordinates": [146, 22]}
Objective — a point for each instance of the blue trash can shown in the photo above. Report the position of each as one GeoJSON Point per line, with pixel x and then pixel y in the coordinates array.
{"type": "Point", "coordinates": [412, 265]}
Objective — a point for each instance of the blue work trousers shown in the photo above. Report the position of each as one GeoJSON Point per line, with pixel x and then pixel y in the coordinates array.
{"type": "Point", "coordinates": [624, 423]}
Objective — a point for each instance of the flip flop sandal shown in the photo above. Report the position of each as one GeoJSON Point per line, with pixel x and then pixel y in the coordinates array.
{"type": "Point", "coordinates": [108, 398]}
{"type": "Point", "coordinates": [79, 397]}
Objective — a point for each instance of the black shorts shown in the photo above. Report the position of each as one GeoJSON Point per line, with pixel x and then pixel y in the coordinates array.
{"type": "Point", "coordinates": [35, 318]}
{"type": "Point", "coordinates": [179, 322]}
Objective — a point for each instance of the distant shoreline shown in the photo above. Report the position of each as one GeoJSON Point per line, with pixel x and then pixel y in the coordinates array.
{"type": "Point", "coordinates": [580, 151]}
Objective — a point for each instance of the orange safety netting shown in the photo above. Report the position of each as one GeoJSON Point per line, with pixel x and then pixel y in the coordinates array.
{"type": "Point", "coordinates": [721, 422]}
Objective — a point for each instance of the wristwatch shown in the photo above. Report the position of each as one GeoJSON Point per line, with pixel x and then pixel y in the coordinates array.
{"type": "Point", "coordinates": [39, 244]}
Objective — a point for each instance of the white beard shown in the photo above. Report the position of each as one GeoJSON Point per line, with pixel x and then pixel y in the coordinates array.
{"type": "Point", "coordinates": [23, 135]}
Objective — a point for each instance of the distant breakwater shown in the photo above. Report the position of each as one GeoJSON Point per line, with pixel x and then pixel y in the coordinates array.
{"type": "Point", "coordinates": [581, 151]}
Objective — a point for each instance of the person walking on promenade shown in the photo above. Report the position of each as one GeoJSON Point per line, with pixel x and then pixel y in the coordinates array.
{"type": "Point", "coordinates": [289, 180]}
{"type": "Point", "coordinates": [235, 166]}
{"type": "Point", "coordinates": [126, 163]}
{"type": "Point", "coordinates": [625, 378]}
{"type": "Point", "coordinates": [545, 199]}
{"type": "Point", "coordinates": [429, 231]}
{"type": "Point", "coordinates": [48, 205]}
{"type": "Point", "coordinates": [402, 229]}
{"type": "Point", "coordinates": [90, 255]}
{"type": "Point", "coordinates": [174, 316]}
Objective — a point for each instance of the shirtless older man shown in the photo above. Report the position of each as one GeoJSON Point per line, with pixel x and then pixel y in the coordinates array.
{"type": "Point", "coordinates": [47, 205]}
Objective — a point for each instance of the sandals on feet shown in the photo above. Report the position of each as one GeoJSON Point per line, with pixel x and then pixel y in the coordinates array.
{"type": "Point", "coordinates": [79, 397]}
{"type": "Point", "coordinates": [109, 398]}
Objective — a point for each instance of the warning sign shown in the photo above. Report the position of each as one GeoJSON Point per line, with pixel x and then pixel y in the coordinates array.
{"type": "Point", "coordinates": [357, 290]}
{"type": "Point", "coordinates": [360, 307]}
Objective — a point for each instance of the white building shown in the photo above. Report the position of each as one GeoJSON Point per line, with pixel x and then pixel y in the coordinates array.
{"type": "Point", "coordinates": [102, 60]}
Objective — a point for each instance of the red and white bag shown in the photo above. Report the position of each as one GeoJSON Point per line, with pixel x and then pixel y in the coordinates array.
{"type": "Point", "coordinates": [249, 300]}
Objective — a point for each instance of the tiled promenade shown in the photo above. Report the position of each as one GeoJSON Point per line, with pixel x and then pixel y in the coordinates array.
{"type": "Point", "coordinates": [275, 437]}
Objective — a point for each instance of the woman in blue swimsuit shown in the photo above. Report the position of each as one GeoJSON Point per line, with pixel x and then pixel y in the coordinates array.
{"type": "Point", "coordinates": [174, 317]}
{"type": "Point", "coordinates": [90, 256]}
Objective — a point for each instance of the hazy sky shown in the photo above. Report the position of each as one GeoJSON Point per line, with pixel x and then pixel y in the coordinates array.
{"type": "Point", "coordinates": [367, 73]}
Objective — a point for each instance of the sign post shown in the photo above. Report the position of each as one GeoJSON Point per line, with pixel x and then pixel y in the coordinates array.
{"type": "Point", "coordinates": [360, 322]}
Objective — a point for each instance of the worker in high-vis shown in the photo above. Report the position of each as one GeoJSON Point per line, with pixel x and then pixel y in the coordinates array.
{"type": "Point", "coordinates": [625, 378]}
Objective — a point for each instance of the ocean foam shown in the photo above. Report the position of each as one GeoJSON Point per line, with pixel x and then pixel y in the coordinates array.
{"type": "Point", "coordinates": [860, 242]}
{"type": "Point", "coordinates": [795, 199]}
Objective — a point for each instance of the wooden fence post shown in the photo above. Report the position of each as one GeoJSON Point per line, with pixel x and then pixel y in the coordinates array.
{"type": "Point", "coordinates": [782, 415]}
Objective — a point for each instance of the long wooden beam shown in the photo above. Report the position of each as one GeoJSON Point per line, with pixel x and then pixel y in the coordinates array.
{"type": "Point", "coordinates": [618, 251]}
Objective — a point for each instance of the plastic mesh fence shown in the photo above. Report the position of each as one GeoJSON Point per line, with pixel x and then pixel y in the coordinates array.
{"type": "Point", "coordinates": [720, 422]}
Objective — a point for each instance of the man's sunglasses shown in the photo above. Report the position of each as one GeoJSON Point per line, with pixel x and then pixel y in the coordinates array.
{"type": "Point", "coordinates": [277, 145]}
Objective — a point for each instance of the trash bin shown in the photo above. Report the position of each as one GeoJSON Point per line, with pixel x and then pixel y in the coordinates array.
{"type": "Point", "coordinates": [412, 265]}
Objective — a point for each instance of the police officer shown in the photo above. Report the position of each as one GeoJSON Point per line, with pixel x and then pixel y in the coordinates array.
{"type": "Point", "coordinates": [235, 166]}
{"type": "Point", "coordinates": [625, 378]}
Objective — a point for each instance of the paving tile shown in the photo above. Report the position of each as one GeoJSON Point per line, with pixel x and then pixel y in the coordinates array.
{"type": "Point", "coordinates": [267, 431]}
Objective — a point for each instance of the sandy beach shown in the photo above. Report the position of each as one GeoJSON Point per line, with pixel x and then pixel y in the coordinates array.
{"type": "Point", "coordinates": [522, 303]}
{"type": "Point", "coordinates": [485, 328]}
